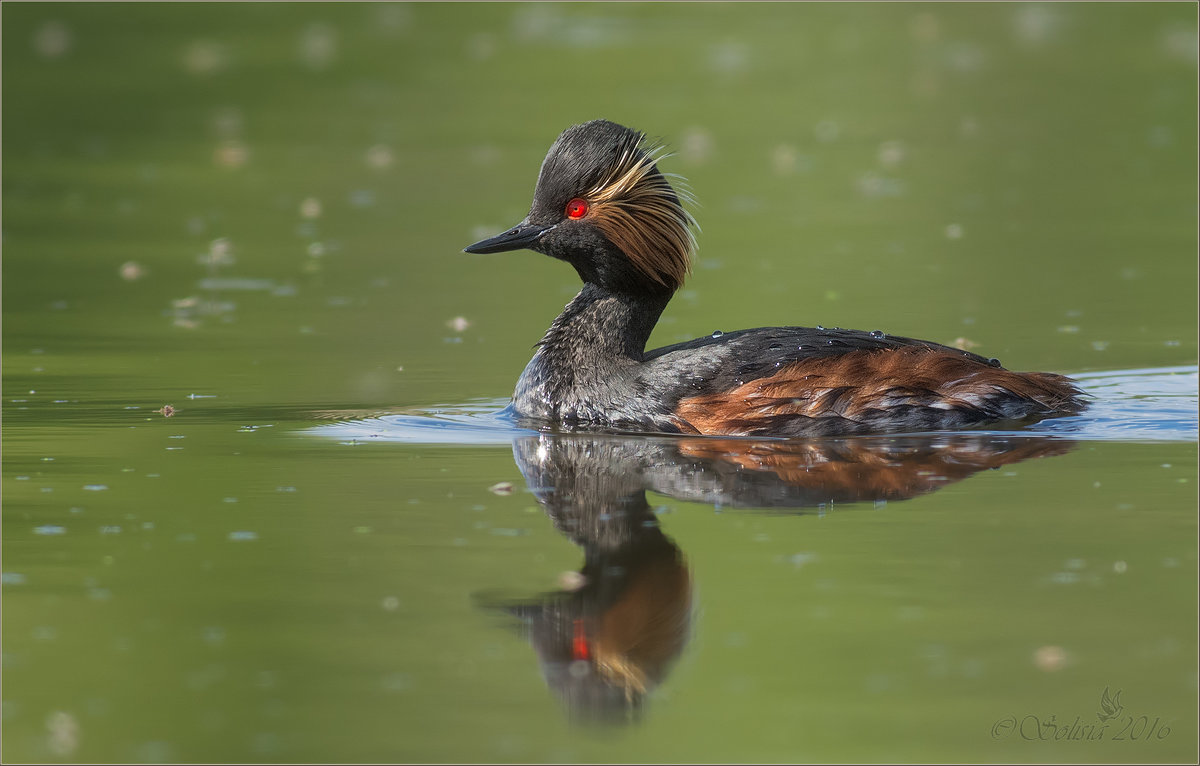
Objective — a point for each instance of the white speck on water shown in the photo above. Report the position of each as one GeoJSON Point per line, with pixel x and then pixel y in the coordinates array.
{"type": "Point", "coordinates": [729, 58]}
{"type": "Point", "coordinates": [94, 487]}
{"type": "Point", "coordinates": [1036, 23]}
{"type": "Point", "coordinates": [52, 40]}
{"type": "Point", "coordinates": [891, 153]}
{"type": "Point", "coordinates": [12, 578]}
{"type": "Point", "coordinates": [697, 145]}
{"type": "Point", "coordinates": [318, 46]}
{"type": "Point", "coordinates": [204, 57]}
{"type": "Point", "coordinates": [954, 231]}
{"type": "Point", "coordinates": [49, 529]}
{"type": "Point", "coordinates": [390, 603]}
{"type": "Point", "coordinates": [1160, 136]}
{"type": "Point", "coordinates": [1064, 578]}
{"type": "Point", "coordinates": [110, 529]}
{"type": "Point", "coordinates": [1068, 329]}
{"type": "Point", "coordinates": [827, 131]}
{"type": "Point", "coordinates": [501, 488]}
{"type": "Point", "coordinates": [910, 613]}
{"type": "Point", "coordinates": [380, 157]}
{"type": "Point", "coordinates": [154, 751]}
{"type": "Point", "coordinates": [800, 559]}
{"type": "Point", "coordinates": [1049, 658]}
{"type": "Point", "coordinates": [243, 535]}
{"type": "Point", "coordinates": [1179, 41]}
{"type": "Point", "coordinates": [1120, 567]}
{"type": "Point", "coordinates": [62, 733]}
{"type": "Point", "coordinates": [131, 271]}
{"type": "Point", "coordinates": [1099, 345]}
{"type": "Point", "coordinates": [310, 207]}
{"type": "Point", "coordinates": [229, 500]}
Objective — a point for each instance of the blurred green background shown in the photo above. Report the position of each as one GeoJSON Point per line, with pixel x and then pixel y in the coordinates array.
{"type": "Point", "coordinates": [266, 203]}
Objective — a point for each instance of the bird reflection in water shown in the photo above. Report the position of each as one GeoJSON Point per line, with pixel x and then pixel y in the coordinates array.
{"type": "Point", "coordinates": [609, 637]}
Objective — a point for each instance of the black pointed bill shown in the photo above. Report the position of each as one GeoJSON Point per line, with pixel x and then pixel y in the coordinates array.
{"type": "Point", "coordinates": [520, 236]}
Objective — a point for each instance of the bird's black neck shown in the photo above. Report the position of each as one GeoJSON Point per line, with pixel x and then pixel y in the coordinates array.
{"type": "Point", "coordinates": [600, 325]}
{"type": "Point", "coordinates": [582, 368]}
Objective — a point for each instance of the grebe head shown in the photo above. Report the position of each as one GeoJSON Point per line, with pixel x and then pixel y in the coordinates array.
{"type": "Point", "coordinates": [602, 205]}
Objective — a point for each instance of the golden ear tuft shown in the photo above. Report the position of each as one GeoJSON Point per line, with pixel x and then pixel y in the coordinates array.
{"type": "Point", "coordinates": [640, 212]}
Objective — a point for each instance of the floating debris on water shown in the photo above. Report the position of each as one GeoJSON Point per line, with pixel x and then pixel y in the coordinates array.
{"type": "Point", "coordinates": [380, 157]}
{"type": "Point", "coordinates": [92, 487]}
{"type": "Point", "coordinates": [242, 535]}
{"type": "Point", "coordinates": [501, 488]}
{"type": "Point", "coordinates": [132, 271]}
{"type": "Point", "coordinates": [166, 411]}
{"type": "Point", "coordinates": [1050, 658]}
{"type": "Point", "coordinates": [49, 529]}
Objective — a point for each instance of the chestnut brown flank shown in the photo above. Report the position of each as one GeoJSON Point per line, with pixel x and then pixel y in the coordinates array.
{"type": "Point", "coordinates": [857, 384]}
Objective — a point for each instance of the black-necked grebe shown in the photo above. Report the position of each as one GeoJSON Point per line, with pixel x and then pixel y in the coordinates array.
{"type": "Point", "coordinates": [602, 206]}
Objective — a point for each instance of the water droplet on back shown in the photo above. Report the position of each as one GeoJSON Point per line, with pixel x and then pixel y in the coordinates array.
{"type": "Point", "coordinates": [878, 334]}
{"type": "Point", "coordinates": [717, 333]}
{"type": "Point", "coordinates": [821, 327]}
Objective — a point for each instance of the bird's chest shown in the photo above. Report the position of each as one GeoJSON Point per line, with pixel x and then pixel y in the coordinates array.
{"type": "Point", "coordinates": [570, 390]}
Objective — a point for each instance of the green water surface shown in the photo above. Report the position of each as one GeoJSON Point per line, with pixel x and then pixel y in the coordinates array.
{"type": "Point", "coordinates": [255, 213]}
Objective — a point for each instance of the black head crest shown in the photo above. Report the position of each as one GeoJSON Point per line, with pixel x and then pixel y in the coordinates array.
{"type": "Point", "coordinates": [614, 169]}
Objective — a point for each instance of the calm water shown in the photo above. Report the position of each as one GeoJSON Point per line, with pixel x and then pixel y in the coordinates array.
{"type": "Point", "coordinates": [339, 547]}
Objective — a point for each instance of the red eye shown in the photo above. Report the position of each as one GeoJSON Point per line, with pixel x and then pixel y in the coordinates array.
{"type": "Point", "coordinates": [577, 208]}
